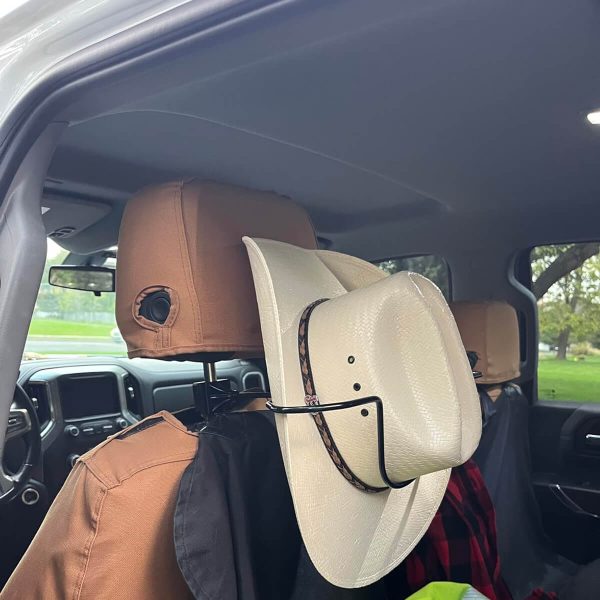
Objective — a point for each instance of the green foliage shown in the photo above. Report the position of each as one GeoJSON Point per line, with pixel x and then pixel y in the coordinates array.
{"type": "Point", "coordinates": [581, 349]}
{"type": "Point", "coordinates": [583, 323]}
{"type": "Point", "coordinates": [570, 310]}
{"type": "Point", "coordinates": [579, 283]}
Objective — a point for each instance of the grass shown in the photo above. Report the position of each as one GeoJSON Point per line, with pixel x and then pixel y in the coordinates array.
{"type": "Point", "coordinates": [50, 327]}
{"type": "Point", "coordinates": [578, 381]}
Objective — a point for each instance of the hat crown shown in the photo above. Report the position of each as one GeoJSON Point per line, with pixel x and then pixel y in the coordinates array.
{"type": "Point", "coordinates": [405, 350]}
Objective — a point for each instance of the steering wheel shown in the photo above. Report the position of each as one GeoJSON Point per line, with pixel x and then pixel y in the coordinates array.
{"type": "Point", "coordinates": [22, 423]}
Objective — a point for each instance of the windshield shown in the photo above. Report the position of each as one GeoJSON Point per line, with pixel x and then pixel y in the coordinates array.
{"type": "Point", "coordinates": [71, 322]}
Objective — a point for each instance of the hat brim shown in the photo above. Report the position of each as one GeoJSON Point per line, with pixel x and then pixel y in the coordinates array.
{"type": "Point", "coordinates": [353, 538]}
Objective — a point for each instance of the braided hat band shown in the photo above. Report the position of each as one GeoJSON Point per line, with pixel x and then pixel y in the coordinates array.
{"type": "Point", "coordinates": [311, 399]}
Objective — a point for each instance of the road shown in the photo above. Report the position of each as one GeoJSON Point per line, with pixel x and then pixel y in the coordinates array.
{"type": "Point", "coordinates": [59, 345]}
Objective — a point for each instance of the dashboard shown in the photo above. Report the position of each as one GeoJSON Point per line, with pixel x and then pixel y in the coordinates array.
{"type": "Point", "coordinates": [83, 401]}
{"type": "Point", "coordinates": [79, 403]}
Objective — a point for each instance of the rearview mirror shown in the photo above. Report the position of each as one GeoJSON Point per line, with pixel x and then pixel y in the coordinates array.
{"type": "Point", "coordinates": [88, 279]}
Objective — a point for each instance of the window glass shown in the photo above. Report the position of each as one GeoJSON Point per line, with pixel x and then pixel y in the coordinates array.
{"type": "Point", "coordinates": [431, 266]}
{"type": "Point", "coordinates": [71, 322]}
{"type": "Point", "coordinates": [566, 284]}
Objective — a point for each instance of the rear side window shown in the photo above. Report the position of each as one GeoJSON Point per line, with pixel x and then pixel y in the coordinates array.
{"type": "Point", "coordinates": [430, 265]}
{"type": "Point", "coordinates": [566, 284]}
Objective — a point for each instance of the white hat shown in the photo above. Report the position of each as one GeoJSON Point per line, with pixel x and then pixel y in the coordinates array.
{"type": "Point", "coordinates": [393, 338]}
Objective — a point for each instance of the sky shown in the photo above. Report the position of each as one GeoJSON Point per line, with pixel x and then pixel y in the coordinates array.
{"type": "Point", "coordinates": [7, 6]}
{"type": "Point", "coordinates": [53, 249]}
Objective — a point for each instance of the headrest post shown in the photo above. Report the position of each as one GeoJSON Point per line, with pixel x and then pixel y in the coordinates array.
{"type": "Point", "coordinates": [213, 396]}
{"type": "Point", "coordinates": [204, 391]}
{"type": "Point", "coordinates": [210, 372]}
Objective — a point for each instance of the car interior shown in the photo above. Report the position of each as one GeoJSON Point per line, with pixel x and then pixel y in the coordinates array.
{"type": "Point", "coordinates": [449, 138]}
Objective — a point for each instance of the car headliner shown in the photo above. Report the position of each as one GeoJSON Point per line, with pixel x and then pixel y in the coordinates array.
{"type": "Point", "coordinates": [404, 127]}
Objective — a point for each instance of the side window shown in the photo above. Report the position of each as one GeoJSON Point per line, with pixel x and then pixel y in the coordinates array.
{"type": "Point", "coordinates": [566, 284]}
{"type": "Point", "coordinates": [431, 266]}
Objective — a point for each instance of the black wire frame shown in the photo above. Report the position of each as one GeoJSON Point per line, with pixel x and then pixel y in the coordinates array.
{"type": "Point", "coordinates": [320, 408]}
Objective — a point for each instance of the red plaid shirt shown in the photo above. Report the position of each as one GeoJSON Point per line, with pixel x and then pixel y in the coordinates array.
{"type": "Point", "coordinates": [460, 544]}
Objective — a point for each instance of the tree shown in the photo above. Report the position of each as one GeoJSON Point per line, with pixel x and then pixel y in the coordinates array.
{"type": "Point", "coordinates": [566, 284]}
{"type": "Point", "coordinates": [567, 258]}
{"type": "Point", "coordinates": [431, 266]}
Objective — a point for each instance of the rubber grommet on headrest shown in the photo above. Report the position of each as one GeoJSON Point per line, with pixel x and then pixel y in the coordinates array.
{"type": "Point", "coordinates": [156, 306]}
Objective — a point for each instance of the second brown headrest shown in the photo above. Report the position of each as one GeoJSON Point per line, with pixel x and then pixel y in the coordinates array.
{"type": "Point", "coordinates": [491, 329]}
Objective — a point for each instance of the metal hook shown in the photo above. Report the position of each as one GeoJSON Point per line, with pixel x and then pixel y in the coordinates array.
{"type": "Point", "coordinates": [318, 408]}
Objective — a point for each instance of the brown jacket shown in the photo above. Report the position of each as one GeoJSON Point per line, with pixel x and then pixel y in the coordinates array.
{"type": "Point", "coordinates": [109, 533]}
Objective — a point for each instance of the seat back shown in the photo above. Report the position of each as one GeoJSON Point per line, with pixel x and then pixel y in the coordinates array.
{"type": "Point", "coordinates": [527, 558]}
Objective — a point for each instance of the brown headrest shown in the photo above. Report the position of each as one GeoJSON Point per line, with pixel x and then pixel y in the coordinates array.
{"type": "Point", "coordinates": [490, 329]}
{"type": "Point", "coordinates": [180, 244]}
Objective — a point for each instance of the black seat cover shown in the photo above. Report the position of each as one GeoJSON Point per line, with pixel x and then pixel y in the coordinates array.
{"type": "Point", "coordinates": [236, 535]}
{"type": "Point", "coordinates": [526, 555]}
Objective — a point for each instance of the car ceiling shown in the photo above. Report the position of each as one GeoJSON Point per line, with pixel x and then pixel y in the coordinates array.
{"type": "Point", "coordinates": [403, 127]}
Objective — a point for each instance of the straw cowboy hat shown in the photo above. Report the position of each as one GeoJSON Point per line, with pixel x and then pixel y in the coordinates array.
{"type": "Point", "coordinates": [385, 354]}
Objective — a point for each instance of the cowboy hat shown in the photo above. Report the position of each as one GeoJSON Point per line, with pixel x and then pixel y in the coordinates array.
{"type": "Point", "coordinates": [383, 356]}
